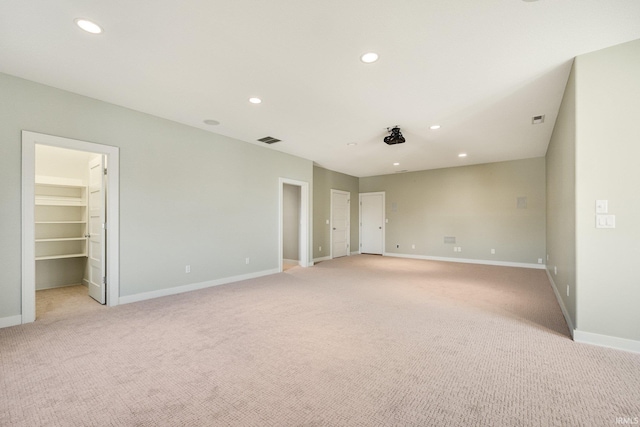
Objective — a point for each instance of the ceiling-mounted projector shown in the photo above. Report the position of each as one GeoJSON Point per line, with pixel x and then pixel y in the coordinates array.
{"type": "Point", "coordinates": [394, 137]}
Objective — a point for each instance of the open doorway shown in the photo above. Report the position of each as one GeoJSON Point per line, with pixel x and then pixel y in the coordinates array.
{"type": "Point", "coordinates": [293, 233]}
{"type": "Point", "coordinates": [66, 239]}
{"type": "Point", "coordinates": [68, 189]}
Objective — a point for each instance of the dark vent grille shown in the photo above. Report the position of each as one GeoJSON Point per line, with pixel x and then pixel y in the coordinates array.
{"type": "Point", "coordinates": [269, 140]}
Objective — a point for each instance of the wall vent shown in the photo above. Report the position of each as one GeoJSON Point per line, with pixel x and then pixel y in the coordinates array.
{"type": "Point", "coordinates": [269, 140]}
{"type": "Point", "coordinates": [536, 120]}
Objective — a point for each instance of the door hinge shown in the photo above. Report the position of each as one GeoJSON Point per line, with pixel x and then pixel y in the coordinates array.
{"type": "Point", "coordinates": [104, 225]}
{"type": "Point", "coordinates": [104, 280]}
{"type": "Point", "coordinates": [105, 171]}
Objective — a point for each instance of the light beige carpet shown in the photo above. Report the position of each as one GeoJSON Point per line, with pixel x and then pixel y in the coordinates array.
{"type": "Point", "coordinates": [357, 341]}
{"type": "Point", "coordinates": [63, 302]}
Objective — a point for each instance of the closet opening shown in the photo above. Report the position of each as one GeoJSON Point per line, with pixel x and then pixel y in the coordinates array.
{"type": "Point", "coordinates": [294, 224]}
{"type": "Point", "coordinates": [69, 226]}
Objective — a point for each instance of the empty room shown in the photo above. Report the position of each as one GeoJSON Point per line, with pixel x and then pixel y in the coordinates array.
{"type": "Point", "coordinates": [294, 213]}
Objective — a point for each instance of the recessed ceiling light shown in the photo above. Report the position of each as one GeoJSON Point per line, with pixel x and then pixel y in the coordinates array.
{"type": "Point", "coordinates": [462, 155]}
{"type": "Point", "coordinates": [396, 164]}
{"type": "Point", "coordinates": [88, 26]}
{"type": "Point", "coordinates": [434, 127]}
{"type": "Point", "coordinates": [352, 144]}
{"type": "Point", "coordinates": [255, 100]}
{"type": "Point", "coordinates": [211, 122]}
{"type": "Point", "coordinates": [369, 57]}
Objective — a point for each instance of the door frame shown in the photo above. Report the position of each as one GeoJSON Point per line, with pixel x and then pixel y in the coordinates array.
{"type": "Point", "coordinates": [304, 243]}
{"type": "Point", "coordinates": [112, 154]}
{"type": "Point", "coordinates": [348, 194]}
{"type": "Point", "coordinates": [384, 219]}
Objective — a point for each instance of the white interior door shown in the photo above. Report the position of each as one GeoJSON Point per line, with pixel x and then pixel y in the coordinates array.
{"type": "Point", "coordinates": [96, 239]}
{"type": "Point", "coordinates": [372, 223]}
{"type": "Point", "coordinates": [340, 201]}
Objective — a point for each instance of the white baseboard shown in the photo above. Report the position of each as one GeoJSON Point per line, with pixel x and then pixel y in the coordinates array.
{"type": "Point", "coordinates": [291, 261]}
{"type": "Point", "coordinates": [355, 253]}
{"type": "Point", "coordinates": [59, 286]}
{"type": "Point", "coordinates": [565, 312]}
{"type": "Point", "coordinates": [468, 261]}
{"type": "Point", "coordinates": [5, 322]}
{"type": "Point", "coordinates": [324, 258]}
{"type": "Point", "coordinates": [606, 341]}
{"type": "Point", "coordinates": [193, 287]}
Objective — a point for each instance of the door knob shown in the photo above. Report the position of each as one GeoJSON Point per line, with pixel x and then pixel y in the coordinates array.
{"type": "Point", "coordinates": [334, 228]}
{"type": "Point", "coordinates": [380, 228]}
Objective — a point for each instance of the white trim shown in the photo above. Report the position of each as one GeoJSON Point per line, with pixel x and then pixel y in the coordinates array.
{"type": "Point", "coordinates": [467, 260]}
{"type": "Point", "coordinates": [193, 286]}
{"type": "Point", "coordinates": [6, 322]}
{"type": "Point", "coordinates": [324, 258]}
{"type": "Point", "coordinates": [60, 286]}
{"type": "Point", "coordinates": [606, 341]}
{"type": "Point", "coordinates": [29, 141]}
{"type": "Point", "coordinates": [291, 261]}
{"type": "Point", "coordinates": [355, 253]}
{"type": "Point", "coordinates": [304, 221]}
{"type": "Point", "coordinates": [348, 194]}
{"type": "Point", "coordinates": [565, 312]}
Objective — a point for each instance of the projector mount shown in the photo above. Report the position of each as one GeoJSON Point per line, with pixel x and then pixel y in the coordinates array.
{"type": "Point", "coordinates": [394, 137]}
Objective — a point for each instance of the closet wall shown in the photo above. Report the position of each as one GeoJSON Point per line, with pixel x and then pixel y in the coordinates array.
{"type": "Point", "coordinates": [60, 166]}
{"type": "Point", "coordinates": [291, 222]}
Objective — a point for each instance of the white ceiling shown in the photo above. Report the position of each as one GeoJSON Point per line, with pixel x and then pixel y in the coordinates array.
{"type": "Point", "coordinates": [480, 69]}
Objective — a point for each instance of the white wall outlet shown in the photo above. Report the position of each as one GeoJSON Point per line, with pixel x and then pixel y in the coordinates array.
{"type": "Point", "coordinates": [187, 269]}
{"type": "Point", "coordinates": [413, 246]}
{"type": "Point", "coordinates": [459, 248]}
{"type": "Point", "coordinates": [567, 290]}
{"type": "Point", "coordinates": [555, 270]}
{"type": "Point", "coordinates": [319, 248]}
{"type": "Point", "coordinates": [386, 220]}
{"type": "Point", "coordinates": [327, 222]}
{"type": "Point", "coordinates": [493, 251]}
{"type": "Point", "coordinates": [539, 260]}
{"type": "Point", "coordinates": [247, 260]}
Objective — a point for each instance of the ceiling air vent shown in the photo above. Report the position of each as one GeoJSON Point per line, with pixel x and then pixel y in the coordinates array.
{"type": "Point", "coordinates": [536, 120]}
{"type": "Point", "coordinates": [269, 140]}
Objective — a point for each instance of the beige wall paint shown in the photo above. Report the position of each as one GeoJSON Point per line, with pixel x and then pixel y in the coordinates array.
{"type": "Point", "coordinates": [607, 153]}
{"type": "Point", "coordinates": [291, 222]}
{"type": "Point", "coordinates": [324, 181]}
{"type": "Point", "coordinates": [561, 201]}
{"type": "Point", "coordinates": [187, 196]}
{"type": "Point", "coordinates": [476, 204]}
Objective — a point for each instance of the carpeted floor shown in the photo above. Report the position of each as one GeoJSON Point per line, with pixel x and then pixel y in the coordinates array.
{"type": "Point", "coordinates": [356, 341]}
{"type": "Point", "coordinates": [52, 304]}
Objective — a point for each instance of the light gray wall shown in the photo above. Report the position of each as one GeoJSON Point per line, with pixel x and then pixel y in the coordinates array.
{"type": "Point", "coordinates": [324, 181]}
{"type": "Point", "coordinates": [187, 196]}
{"type": "Point", "coordinates": [561, 200]}
{"type": "Point", "coordinates": [476, 204]}
{"type": "Point", "coordinates": [607, 158]}
{"type": "Point", "coordinates": [291, 222]}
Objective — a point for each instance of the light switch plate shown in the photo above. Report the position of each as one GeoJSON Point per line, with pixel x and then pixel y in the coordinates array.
{"type": "Point", "coordinates": [602, 206]}
{"type": "Point", "coordinates": [605, 221]}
